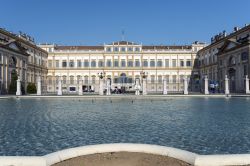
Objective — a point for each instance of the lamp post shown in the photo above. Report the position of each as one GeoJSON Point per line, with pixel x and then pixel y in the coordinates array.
{"type": "Point", "coordinates": [101, 76]}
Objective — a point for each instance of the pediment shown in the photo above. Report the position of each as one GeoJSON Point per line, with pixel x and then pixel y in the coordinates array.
{"type": "Point", "coordinates": [228, 45]}
{"type": "Point", "coordinates": [14, 46]}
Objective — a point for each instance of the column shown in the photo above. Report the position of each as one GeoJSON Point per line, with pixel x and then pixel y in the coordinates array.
{"type": "Point", "coordinates": [18, 87]}
{"type": "Point", "coordinates": [80, 88]}
{"type": "Point", "coordinates": [226, 86]}
{"type": "Point", "coordinates": [101, 87]}
{"type": "Point", "coordinates": [206, 86]}
{"type": "Point", "coordinates": [108, 87]}
{"type": "Point", "coordinates": [137, 87]}
{"type": "Point", "coordinates": [185, 86]}
{"type": "Point", "coordinates": [165, 90]}
{"type": "Point", "coordinates": [39, 86]}
{"type": "Point", "coordinates": [144, 86]}
{"type": "Point", "coordinates": [59, 91]}
{"type": "Point", "coordinates": [247, 85]}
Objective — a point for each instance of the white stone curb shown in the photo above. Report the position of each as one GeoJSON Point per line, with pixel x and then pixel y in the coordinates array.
{"type": "Point", "coordinates": [22, 161]}
{"type": "Point", "coordinates": [222, 160]}
{"type": "Point", "coordinates": [188, 157]}
{"type": "Point", "coordinates": [104, 148]}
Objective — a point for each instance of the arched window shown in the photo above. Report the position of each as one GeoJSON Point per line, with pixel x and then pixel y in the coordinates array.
{"type": "Point", "coordinates": [71, 79]}
{"type": "Point", "coordinates": [50, 80]}
{"type": "Point", "coordinates": [78, 79]}
{"type": "Point", "coordinates": [64, 79]}
{"type": "Point", "coordinates": [93, 79]}
{"type": "Point", "coordinates": [232, 60]}
{"type": "Point", "coordinates": [86, 79]}
{"type": "Point", "coordinates": [152, 79]}
{"type": "Point", "coordinates": [167, 78]}
{"type": "Point", "coordinates": [159, 79]}
{"type": "Point", "coordinates": [57, 79]}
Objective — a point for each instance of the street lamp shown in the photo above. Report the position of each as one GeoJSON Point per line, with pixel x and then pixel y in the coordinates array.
{"type": "Point", "coordinates": [101, 75]}
{"type": "Point", "coordinates": [144, 74]}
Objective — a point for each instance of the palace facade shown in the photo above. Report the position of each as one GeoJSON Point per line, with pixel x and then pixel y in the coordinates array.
{"type": "Point", "coordinates": [227, 56]}
{"type": "Point", "coordinates": [122, 62]}
{"type": "Point", "coordinates": [19, 53]}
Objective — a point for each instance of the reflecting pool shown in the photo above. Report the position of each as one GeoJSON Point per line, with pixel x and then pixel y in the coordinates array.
{"type": "Point", "coordinates": [201, 125]}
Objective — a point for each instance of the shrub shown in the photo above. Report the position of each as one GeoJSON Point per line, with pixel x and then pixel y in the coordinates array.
{"type": "Point", "coordinates": [31, 88]}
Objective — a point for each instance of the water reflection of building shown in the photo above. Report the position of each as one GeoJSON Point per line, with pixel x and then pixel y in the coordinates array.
{"type": "Point", "coordinates": [122, 62]}
{"type": "Point", "coordinates": [227, 55]}
{"type": "Point", "coordinates": [19, 53]}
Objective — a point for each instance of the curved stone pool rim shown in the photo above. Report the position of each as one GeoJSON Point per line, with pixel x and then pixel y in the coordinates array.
{"type": "Point", "coordinates": [185, 156]}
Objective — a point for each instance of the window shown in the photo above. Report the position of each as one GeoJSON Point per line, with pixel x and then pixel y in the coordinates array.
{"type": "Point", "coordinates": [64, 80]}
{"type": "Point", "coordinates": [57, 63]}
{"type": "Point", "coordinates": [79, 63]}
{"type": "Point", "coordinates": [116, 63]}
{"type": "Point", "coordinates": [152, 63]}
{"type": "Point", "coordinates": [137, 63]}
{"type": "Point", "coordinates": [93, 79]}
{"type": "Point", "coordinates": [130, 80]}
{"type": "Point", "coordinates": [188, 63]}
{"type": "Point", "coordinates": [130, 63]}
{"type": "Point", "coordinates": [86, 63]}
{"type": "Point", "coordinates": [49, 63]}
{"type": "Point", "coordinates": [108, 49]}
{"type": "Point", "coordinates": [244, 56]}
{"type": "Point", "coordinates": [137, 49]}
{"type": "Point", "coordinates": [123, 63]}
{"type": "Point", "coordinates": [79, 79]}
{"type": "Point", "coordinates": [71, 79]}
{"type": "Point", "coordinates": [100, 63]}
{"type": "Point", "coordinates": [174, 63]}
{"type": "Point", "coordinates": [93, 63]}
{"type": "Point", "coordinates": [159, 79]}
{"type": "Point", "coordinates": [71, 63]}
{"type": "Point", "coordinates": [232, 61]}
{"type": "Point", "coordinates": [159, 63]}
{"type": "Point", "coordinates": [64, 63]}
{"type": "Point", "coordinates": [167, 78]}
{"type": "Point", "coordinates": [166, 62]}
{"type": "Point", "coordinates": [245, 70]}
{"type": "Point", "coordinates": [116, 49]}
{"type": "Point", "coordinates": [181, 63]}
{"type": "Point", "coordinates": [116, 80]}
{"type": "Point", "coordinates": [123, 49]}
{"type": "Point", "coordinates": [50, 80]}
{"type": "Point", "coordinates": [130, 49]}
{"type": "Point", "coordinates": [174, 78]}
{"type": "Point", "coordinates": [145, 63]}
{"type": "Point", "coordinates": [221, 62]}
{"type": "Point", "coordinates": [86, 79]}
{"type": "Point", "coordinates": [109, 64]}
{"type": "Point", "coordinates": [152, 79]}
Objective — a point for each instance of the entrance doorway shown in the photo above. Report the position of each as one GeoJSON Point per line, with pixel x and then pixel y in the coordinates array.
{"type": "Point", "coordinates": [232, 79]}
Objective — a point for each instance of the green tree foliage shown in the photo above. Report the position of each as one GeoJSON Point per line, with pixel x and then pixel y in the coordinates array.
{"type": "Point", "coordinates": [31, 88]}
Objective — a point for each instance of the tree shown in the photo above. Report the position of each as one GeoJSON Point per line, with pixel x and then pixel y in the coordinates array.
{"type": "Point", "coordinates": [31, 88]}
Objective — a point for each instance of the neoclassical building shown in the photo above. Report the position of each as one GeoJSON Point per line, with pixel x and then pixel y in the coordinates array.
{"type": "Point", "coordinates": [19, 53]}
{"type": "Point", "coordinates": [227, 55]}
{"type": "Point", "coordinates": [121, 62]}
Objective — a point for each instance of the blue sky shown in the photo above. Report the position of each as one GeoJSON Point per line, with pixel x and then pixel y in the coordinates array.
{"type": "Point", "coordinates": [94, 22]}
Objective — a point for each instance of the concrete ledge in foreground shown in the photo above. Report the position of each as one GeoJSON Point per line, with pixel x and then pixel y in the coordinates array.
{"type": "Point", "coordinates": [181, 155]}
